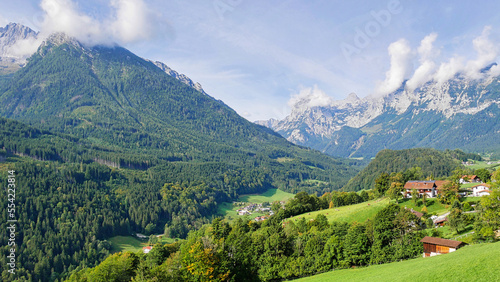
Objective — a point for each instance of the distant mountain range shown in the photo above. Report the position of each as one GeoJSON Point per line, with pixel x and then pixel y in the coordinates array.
{"type": "Point", "coordinates": [461, 113]}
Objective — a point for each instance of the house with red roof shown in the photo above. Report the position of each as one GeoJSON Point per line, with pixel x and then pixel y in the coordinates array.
{"type": "Point", "coordinates": [147, 249]}
{"type": "Point", "coordinates": [423, 187]}
{"type": "Point", "coordinates": [470, 179]}
{"type": "Point", "coordinates": [429, 187]}
{"type": "Point", "coordinates": [481, 190]}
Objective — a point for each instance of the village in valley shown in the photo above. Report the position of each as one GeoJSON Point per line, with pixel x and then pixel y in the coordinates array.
{"type": "Point", "coordinates": [251, 208]}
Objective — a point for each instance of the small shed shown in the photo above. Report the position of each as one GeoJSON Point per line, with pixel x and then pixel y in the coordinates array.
{"type": "Point", "coordinates": [435, 246]}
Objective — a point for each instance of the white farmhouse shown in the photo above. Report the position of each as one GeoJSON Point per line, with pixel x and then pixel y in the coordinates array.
{"type": "Point", "coordinates": [481, 190]}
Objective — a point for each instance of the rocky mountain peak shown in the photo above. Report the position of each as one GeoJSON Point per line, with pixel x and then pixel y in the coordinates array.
{"type": "Point", "coordinates": [352, 97]}
{"type": "Point", "coordinates": [16, 42]}
{"type": "Point", "coordinates": [361, 126]}
{"type": "Point", "coordinates": [181, 77]}
{"type": "Point", "coordinates": [16, 31]}
{"type": "Point", "coordinates": [60, 38]}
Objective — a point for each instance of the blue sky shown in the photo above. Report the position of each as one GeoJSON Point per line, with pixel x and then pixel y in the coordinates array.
{"type": "Point", "coordinates": [256, 55]}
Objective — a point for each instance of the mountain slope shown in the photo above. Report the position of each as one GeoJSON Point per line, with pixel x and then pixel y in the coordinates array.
{"type": "Point", "coordinates": [460, 113]}
{"type": "Point", "coordinates": [106, 143]}
{"type": "Point", "coordinates": [114, 99]}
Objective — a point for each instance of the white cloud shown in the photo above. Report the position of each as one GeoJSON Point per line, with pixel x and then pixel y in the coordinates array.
{"type": "Point", "coordinates": [3, 21]}
{"type": "Point", "coordinates": [130, 21]}
{"type": "Point", "coordinates": [487, 52]}
{"type": "Point", "coordinates": [63, 16]}
{"type": "Point", "coordinates": [494, 71]}
{"type": "Point", "coordinates": [308, 98]}
{"type": "Point", "coordinates": [425, 71]}
{"type": "Point", "coordinates": [430, 70]}
{"type": "Point", "coordinates": [401, 54]}
{"type": "Point", "coordinates": [426, 49]}
{"type": "Point", "coordinates": [24, 48]}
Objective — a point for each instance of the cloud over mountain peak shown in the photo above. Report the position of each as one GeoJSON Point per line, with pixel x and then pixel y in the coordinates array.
{"type": "Point", "coordinates": [129, 21]}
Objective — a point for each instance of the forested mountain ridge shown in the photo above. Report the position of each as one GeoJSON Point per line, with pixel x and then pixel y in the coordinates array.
{"type": "Point", "coordinates": [431, 163]}
{"type": "Point", "coordinates": [118, 146]}
{"type": "Point", "coordinates": [93, 91]}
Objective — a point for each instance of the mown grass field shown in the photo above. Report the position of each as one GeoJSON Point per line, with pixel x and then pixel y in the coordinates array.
{"type": "Point", "coordinates": [359, 212]}
{"type": "Point", "coordinates": [270, 196]}
{"type": "Point", "coordinates": [433, 206]}
{"type": "Point", "coordinates": [133, 244]}
{"type": "Point", "coordinates": [479, 262]}
{"type": "Point", "coordinates": [484, 164]}
{"type": "Point", "coordinates": [126, 243]}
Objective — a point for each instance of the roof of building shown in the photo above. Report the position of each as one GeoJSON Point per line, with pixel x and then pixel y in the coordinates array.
{"type": "Point", "coordinates": [484, 191]}
{"type": "Point", "coordinates": [418, 214]}
{"type": "Point", "coordinates": [470, 177]}
{"type": "Point", "coordinates": [441, 242]}
{"type": "Point", "coordinates": [441, 183]}
{"type": "Point", "coordinates": [429, 184]}
{"type": "Point", "coordinates": [440, 220]}
{"type": "Point", "coordinates": [482, 184]}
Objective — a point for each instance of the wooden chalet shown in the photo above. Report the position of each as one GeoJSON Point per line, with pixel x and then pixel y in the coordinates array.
{"type": "Point", "coordinates": [435, 246]}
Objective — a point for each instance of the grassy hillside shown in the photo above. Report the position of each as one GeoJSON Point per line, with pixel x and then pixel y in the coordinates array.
{"type": "Point", "coordinates": [359, 212]}
{"type": "Point", "coordinates": [471, 263]}
{"type": "Point", "coordinates": [270, 196]}
{"type": "Point", "coordinates": [126, 244]}
{"type": "Point", "coordinates": [133, 244]}
{"type": "Point", "coordinates": [485, 164]}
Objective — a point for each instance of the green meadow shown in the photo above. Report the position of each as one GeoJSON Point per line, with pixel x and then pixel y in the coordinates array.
{"type": "Point", "coordinates": [480, 262]}
{"type": "Point", "coordinates": [126, 243]}
{"type": "Point", "coordinates": [270, 196]}
{"type": "Point", "coordinates": [484, 164]}
{"type": "Point", "coordinates": [433, 206]}
{"type": "Point", "coordinates": [358, 212]}
{"type": "Point", "coordinates": [133, 244]}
